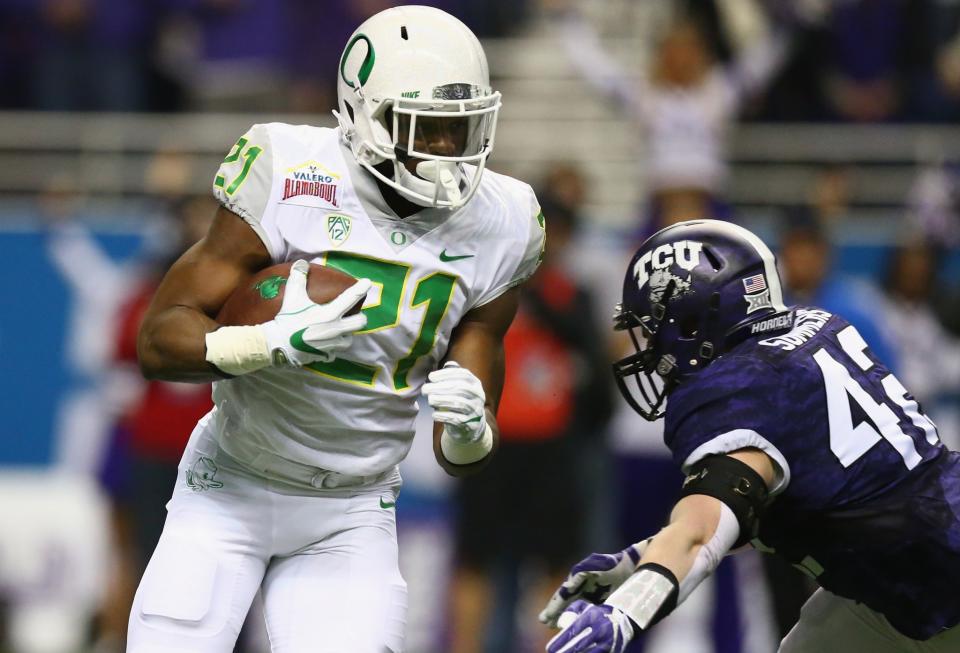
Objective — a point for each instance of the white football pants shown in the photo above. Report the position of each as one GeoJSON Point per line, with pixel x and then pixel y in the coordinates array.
{"type": "Point", "coordinates": [326, 564]}
{"type": "Point", "coordinates": [831, 623]}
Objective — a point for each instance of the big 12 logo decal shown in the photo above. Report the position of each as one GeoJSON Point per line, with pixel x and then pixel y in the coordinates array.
{"type": "Point", "coordinates": [654, 267]}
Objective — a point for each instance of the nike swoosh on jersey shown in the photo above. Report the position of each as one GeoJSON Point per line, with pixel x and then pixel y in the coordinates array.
{"type": "Point", "coordinates": [387, 504]}
{"type": "Point", "coordinates": [446, 258]}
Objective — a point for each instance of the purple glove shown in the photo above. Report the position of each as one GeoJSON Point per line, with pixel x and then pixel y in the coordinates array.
{"type": "Point", "coordinates": [593, 579]}
{"type": "Point", "coordinates": [590, 628]}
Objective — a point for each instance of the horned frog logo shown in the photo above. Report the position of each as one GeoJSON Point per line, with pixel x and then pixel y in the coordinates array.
{"type": "Point", "coordinates": [658, 285]}
{"type": "Point", "coordinates": [270, 287]}
{"type": "Point", "coordinates": [201, 475]}
{"type": "Point", "coordinates": [658, 267]}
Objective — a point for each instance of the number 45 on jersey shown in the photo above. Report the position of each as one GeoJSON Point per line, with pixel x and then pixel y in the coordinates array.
{"type": "Point", "coordinates": [849, 443]}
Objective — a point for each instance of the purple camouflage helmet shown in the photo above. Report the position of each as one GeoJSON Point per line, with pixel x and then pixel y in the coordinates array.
{"type": "Point", "coordinates": [693, 291]}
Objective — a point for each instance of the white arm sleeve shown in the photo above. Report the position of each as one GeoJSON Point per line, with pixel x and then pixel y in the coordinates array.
{"type": "Point", "coordinates": [653, 591]}
{"type": "Point", "coordinates": [711, 553]}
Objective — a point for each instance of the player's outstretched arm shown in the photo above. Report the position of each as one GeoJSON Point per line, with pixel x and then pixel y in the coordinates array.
{"type": "Point", "coordinates": [465, 392]}
{"type": "Point", "coordinates": [171, 344]}
{"type": "Point", "coordinates": [701, 531]}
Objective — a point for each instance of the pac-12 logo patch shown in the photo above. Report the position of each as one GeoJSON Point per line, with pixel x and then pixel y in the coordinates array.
{"type": "Point", "coordinates": [338, 228]}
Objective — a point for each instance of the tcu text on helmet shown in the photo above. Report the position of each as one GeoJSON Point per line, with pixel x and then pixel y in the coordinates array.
{"type": "Point", "coordinates": [685, 253]}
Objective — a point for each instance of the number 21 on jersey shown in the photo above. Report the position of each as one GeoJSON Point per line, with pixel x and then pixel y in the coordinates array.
{"type": "Point", "coordinates": [433, 291]}
{"type": "Point", "coordinates": [848, 442]}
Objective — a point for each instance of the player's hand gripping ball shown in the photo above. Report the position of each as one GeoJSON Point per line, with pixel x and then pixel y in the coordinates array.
{"type": "Point", "coordinates": [259, 298]}
{"type": "Point", "coordinates": [308, 312]}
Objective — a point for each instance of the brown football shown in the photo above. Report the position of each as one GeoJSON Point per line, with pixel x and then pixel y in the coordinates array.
{"type": "Point", "coordinates": [258, 298]}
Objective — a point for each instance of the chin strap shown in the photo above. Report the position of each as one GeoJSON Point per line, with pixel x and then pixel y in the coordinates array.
{"type": "Point", "coordinates": [446, 173]}
{"type": "Point", "coordinates": [440, 179]}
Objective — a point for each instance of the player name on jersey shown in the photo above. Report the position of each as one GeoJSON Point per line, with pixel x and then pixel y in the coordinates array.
{"type": "Point", "coordinates": [808, 324]}
{"type": "Point", "coordinates": [774, 323]}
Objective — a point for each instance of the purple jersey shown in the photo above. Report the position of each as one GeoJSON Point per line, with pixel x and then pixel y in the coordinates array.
{"type": "Point", "coordinates": [869, 499]}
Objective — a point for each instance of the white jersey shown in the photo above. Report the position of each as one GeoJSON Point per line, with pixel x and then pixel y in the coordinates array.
{"type": "Point", "coordinates": [306, 197]}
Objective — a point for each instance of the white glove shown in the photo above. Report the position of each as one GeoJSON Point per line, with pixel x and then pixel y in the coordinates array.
{"type": "Point", "coordinates": [305, 332]}
{"type": "Point", "coordinates": [593, 579]}
{"type": "Point", "coordinates": [458, 401]}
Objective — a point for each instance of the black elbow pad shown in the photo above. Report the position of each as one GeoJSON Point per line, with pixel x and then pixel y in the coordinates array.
{"type": "Point", "coordinates": [734, 483]}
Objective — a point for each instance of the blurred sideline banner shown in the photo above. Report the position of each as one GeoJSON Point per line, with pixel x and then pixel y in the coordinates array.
{"type": "Point", "coordinates": [37, 370]}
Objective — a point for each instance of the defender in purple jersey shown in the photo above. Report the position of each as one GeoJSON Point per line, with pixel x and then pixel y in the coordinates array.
{"type": "Point", "coordinates": [795, 439]}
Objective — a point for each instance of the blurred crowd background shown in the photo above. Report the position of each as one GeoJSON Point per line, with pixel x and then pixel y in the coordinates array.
{"type": "Point", "coordinates": [828, 126]}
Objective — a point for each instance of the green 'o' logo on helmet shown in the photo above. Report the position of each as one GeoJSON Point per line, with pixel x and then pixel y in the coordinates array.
{"type": "Point", "coordinates": [364, 73]}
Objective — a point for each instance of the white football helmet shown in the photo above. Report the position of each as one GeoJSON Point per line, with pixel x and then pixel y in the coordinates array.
{"type": "Point", "coordinates": [411, 75]}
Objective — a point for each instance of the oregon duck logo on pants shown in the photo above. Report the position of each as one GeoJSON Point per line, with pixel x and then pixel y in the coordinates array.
{"type": "Point", "coordinates": [201, 474]}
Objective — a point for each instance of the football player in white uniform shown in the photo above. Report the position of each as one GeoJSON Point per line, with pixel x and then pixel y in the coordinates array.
{"type": "Point", "coordinates": [288, 486]}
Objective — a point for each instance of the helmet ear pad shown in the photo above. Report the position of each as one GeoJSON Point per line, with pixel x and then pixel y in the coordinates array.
{"type": "Point", "coordinates": [687, 336]}
{"type": "Point", "coordinates": [362, 134]}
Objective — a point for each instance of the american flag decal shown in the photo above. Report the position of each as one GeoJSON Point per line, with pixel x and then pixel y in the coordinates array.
{"type": "Point", "coordinates": [753, 284]}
